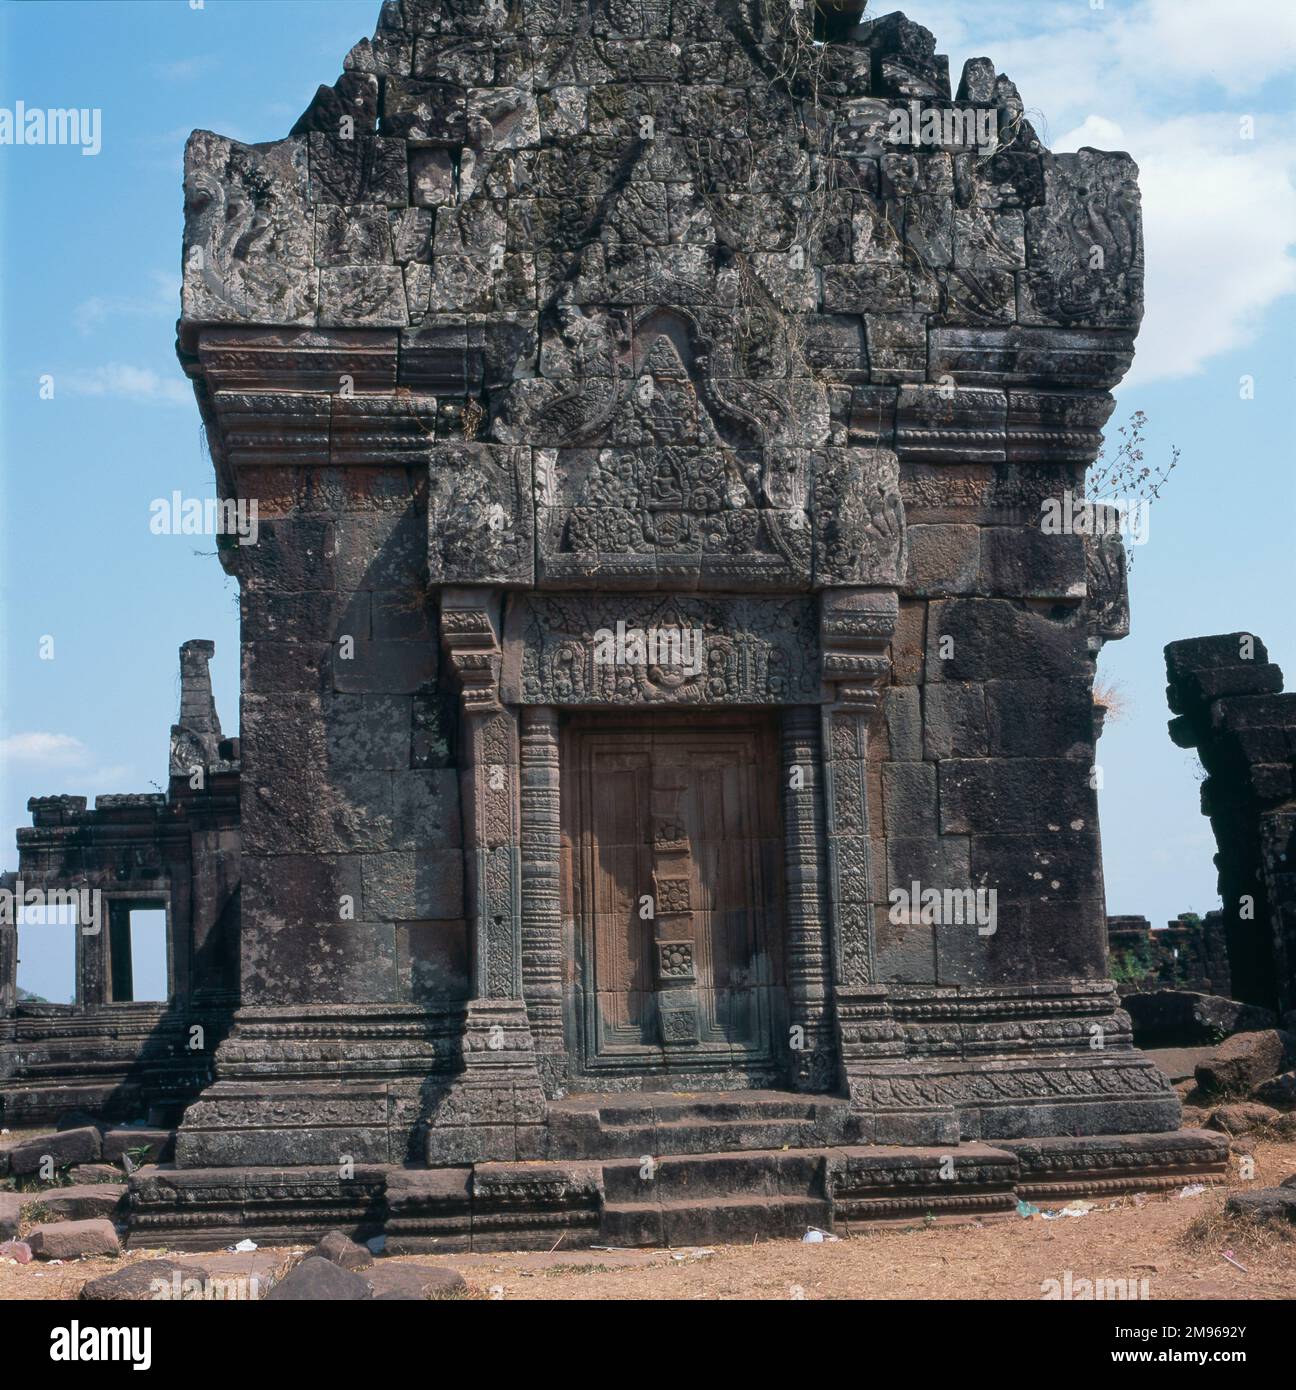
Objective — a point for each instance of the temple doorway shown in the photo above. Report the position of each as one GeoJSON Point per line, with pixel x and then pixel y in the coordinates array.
{"type": "Point", "coordinates": [673, 899]}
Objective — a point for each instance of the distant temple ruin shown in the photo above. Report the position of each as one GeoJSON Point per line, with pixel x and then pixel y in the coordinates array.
{"type": "Point", "coordinates": [551, 320]}
{"type": "Point", "coordinates": [1188, 953]}
{"type": "Point", "coordinates": [107, 1053]}
{"type": "Point", "coordinates": [1229, 704]}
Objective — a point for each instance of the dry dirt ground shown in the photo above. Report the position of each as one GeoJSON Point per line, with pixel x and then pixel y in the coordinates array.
{"type": "Point", "coordinates": [1176, 1243]}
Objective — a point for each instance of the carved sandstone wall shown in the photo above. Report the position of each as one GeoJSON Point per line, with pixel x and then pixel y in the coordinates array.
{"type": "Point", "coordinates": [590, 311]}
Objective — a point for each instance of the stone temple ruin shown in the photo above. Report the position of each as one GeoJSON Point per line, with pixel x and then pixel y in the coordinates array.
{"type": "Point", "coordinates": [666, 728]}
{"type": "Point", "coordinates": [1188, 953]}
{"type": "Point", "coordinates": [1229, 704]}
{"type": "Point", "coordinates": [107, 1053]}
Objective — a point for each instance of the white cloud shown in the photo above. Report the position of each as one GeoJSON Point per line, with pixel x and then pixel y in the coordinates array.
{"type": "Point", "coordinates": [1217, 256]}
{"type": "Point", "coordinates": [160, 298]}
{"type": "Point", "coordinates": [1168, 81]}
{"type": "Point", "coordinates": [1067, 57]}
{"type": "Point", "coordinates": [54, 750]}
{"type": "Point", "coordinates": [128, 383]}
{"type": "Point", "coordinates": [1239, 45]}
{"type": "Point", "coordinates": [1096, 131]}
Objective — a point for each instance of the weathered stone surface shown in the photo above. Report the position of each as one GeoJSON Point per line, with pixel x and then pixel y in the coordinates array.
{"type": "Point", "coordinates": [241, 196]}
{"type": "Point", "coordinates": [1270, 1204]}
{"type": "Point", "coordinates": [140, 1145]}
{"type": "Point", "coordinates": [58, 1150]}
{"type": "Point", "coordinates": [83, 1203]}
{"type": "Point", "coordinates": [1168, 1017]}
{"type": "Point", "coordinates": [84, 1174]}
{"type": "Point", "coordinates": [407, 1282]}
{"type": "Point", "coordinates": [11, 1204]}
{"type": "Point", "coordinates": [70, 1240]}
{"type": "Point", "coordinates": [1246, 1059]}
{"type": "Point", "coordinates": [317, 1280]}
{"type": "Point", "coordinates": [1015, 795]}
{"type": "Point", "coordinates": [1225, 694]}
{"type": "Point", "coordinates": [1091, 268]}
{"type": "Point", "coordinates": [150, 1280]}
{"type": "Point", "coordinates": [1278, 1091]}
{"type": "Point", "coordinates": [1242, 1117]}
{"type": "Point", "coordinates": [480, 520]}
{"type": "Point", "coordinates": [76, 1119]}
{"type": "Point", "coordinates": [944, 560]}
{"type": "Point", "coordinates": [1179, 1064]}
{"type": "Point", "coordinates": [341, 1250]}
{"type": "Point", "coordinates": [979, 639]}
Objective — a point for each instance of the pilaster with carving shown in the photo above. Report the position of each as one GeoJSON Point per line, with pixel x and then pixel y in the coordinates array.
{"type": "Point", "coordinates": [809, 948]}
{"type": "Point", "coordinates": [495, 1107]}
{"type": "Point", "coordinates": [856, 630]}
{"type": "Point", "coordinates": [542, 943]}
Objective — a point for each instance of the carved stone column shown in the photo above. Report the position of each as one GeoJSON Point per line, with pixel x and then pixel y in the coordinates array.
{"type": "Point", "coordinates": [495, 1108]}
{"type": "Point", "coordinates": [856, 626]}
{"type": "Point", "coordinates": [542, 942]}
{"type": "Point", "coordinates": [809, 953]}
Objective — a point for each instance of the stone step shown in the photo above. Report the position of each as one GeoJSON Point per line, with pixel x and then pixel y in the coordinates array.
{"type": "Point", "coordinates": [711, 1220]}
{"type": "Point", "coordinates": [695, 1198]}
{"type": "Point", "coordinates": [752, 1173]}
{"type": "Point", "coordinates": [114, 1100]}
{"type": "Point", "coordinates": [659, 1107]}
{"type": "Point", "coordinates": [631, 1126]}
{"type": "Point", "coordinates": [711, 1136]}
{"type": "Point", "coordinates": [79, 1202]}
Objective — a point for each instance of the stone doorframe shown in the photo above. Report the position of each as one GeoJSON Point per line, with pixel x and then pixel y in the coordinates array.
{"type": "Point", "coordinates": [514, 1049]}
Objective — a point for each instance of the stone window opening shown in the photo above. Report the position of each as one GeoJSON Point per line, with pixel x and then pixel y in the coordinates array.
{"type": "Point", "coordinates": [138, 966]}
{"type": "Point", "coordinates": [47, 955]}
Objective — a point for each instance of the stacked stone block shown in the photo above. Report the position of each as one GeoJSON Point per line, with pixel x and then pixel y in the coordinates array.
{"type": "Point", "coordinates": [1228, 702]}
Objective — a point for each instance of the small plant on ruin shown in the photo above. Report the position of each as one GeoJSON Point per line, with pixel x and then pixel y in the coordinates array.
{"type": "Point", "coordinates": [1120, 474]}
{"type": "Point", "coordinates": [1132, 967]}
{"type": "Point", "coordinates": [1109, 696]}
{"type": "Point", "coordinates": [135, 1157]}
{"type": "Point", "coordinates": [35, 1183]}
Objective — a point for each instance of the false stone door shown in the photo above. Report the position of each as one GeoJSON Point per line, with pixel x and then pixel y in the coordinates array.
{"type": "Point", "coordinates": [673, 891]}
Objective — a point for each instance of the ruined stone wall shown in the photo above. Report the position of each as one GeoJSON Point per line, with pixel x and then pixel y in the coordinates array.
{"type": "Point", "coordinates": [1227, 699]}
{"type": "Point", "coordinates": [177, 850]}
{"type": "Point", "coordinates": [1187, 954]}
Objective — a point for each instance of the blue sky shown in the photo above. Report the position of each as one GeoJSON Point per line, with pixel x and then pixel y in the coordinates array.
{"type": "Point", "coordinates": [90, 251]}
